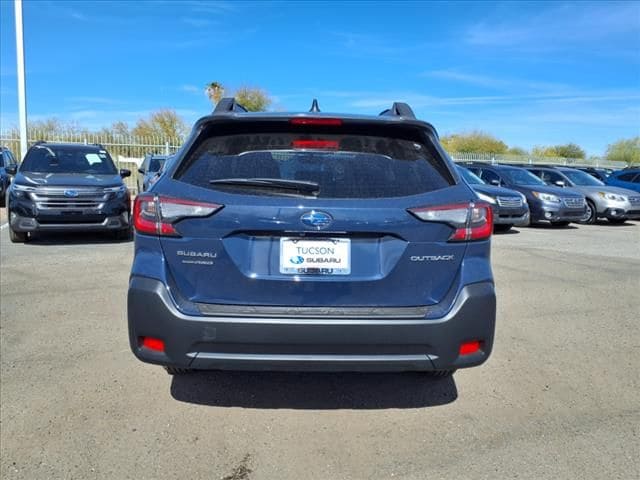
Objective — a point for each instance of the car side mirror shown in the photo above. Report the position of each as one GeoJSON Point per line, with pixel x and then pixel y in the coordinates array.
{"type": "Point", "coordinates": [560, 183]}
{"type": "Point", "coordinates": [125, 172]}
{"type": "Point", "coordinates": [11, 169]}
{"type": "Point", "coordinates": [141, 170]}
{"type": "Point", "coordinates": [495, 181]}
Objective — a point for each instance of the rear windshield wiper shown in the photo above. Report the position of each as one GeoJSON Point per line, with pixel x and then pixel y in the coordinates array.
{"type": "Point", "coordinates": [301, 186]}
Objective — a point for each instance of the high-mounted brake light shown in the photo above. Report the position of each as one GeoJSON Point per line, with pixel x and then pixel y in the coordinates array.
{"type": "Point", "coordinates": [472, 221]}
{"type": "Point", "coordinates": [330, 122]}
{"type": "Point", "coordinates": [328, 144]}
{"type": "Point", "coordinates": [156, 215]}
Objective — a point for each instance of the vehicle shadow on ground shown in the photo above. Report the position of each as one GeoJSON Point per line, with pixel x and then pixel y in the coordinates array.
{"type": "Point", "coordinates": [73, 238]}
{"type": "Point", "coordinates": [547, 226]}
{"type": "Point", "coordinates": [628, 223]}
{"type": "Point", "coordinates": [511, 231]}
{"type": "Point", "coordinates": [318, 391]}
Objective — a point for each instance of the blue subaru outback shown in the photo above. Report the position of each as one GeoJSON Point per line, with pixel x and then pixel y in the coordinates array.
{"type": "Point", "coordinates": [311, 241]}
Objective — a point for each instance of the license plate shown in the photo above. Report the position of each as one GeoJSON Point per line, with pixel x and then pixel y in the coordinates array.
{"type": "Point", "coordinates": [326, 256]}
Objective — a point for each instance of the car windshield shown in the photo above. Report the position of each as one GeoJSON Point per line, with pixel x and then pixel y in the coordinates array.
{"type": "Point", "coordinates": [156, 163]}
{"type": "Point", "coordinates": [470, 177]}
{"type": "Point", "coordinates": [517, 176]}
{"type": "Point", "coordinates": [63, 159]}
{"type": "Point", "coordinates": [582, 179]}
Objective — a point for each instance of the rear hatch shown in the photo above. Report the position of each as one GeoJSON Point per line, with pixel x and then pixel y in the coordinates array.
{"type": "Point", "coordinates": [311, 213]}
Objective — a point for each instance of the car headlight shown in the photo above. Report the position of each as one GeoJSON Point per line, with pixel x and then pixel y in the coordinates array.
{"type": "Point", "coordinates": [613, 196]}
{"type": "Point", "coordinates": [486, 198]}
{"type": "Point", "coordinates": [120, 189]}
{"type": "Point", "coordinates": [22, 190]}
{"type": "Point", "coordinates": [546, 197]}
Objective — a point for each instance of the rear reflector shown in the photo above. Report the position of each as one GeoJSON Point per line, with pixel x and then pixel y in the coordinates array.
{"type": "Point", "coordinates": [155, 215]}
{"type": "Point", "coordinates": [472, 221]}
{"type": "Point", "coordinates": [468, 348]}
{"type": "Point", "coordinates": [328, 144]}
{"type": "Point", "coordinates": [333, 122]}
{"type": "Point", "coordinates": [154, 344]}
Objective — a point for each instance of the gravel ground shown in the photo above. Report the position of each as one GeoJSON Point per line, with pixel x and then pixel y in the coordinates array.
{"type": "Point", "coordinates": [558, 398]}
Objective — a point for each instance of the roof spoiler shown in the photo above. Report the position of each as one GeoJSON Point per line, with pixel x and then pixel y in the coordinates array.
{"type": "Point", "coordinates": [228, 105]}
{"type": "Point", "coordinates": [399, 109]}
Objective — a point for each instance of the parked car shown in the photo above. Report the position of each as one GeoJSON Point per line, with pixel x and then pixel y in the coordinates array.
{"type": "Point", "coordinates": [6, 160]}
{"type": "Point", "coordinates": [63, 187]}
{"type": "Point", "coordinates": [309, 241]}
{"type": "Point", "coordinates": [600, 173]}
{"type": "Point", "coordinates": [149, 170]}
{"type": "Point", "coordinates": [628, 178]}
{"type": "Point", "coordinates": [509, 207]}
{"type": "Point", "coordinates": [555, 205]}
{"type": "Point", "coordinates": [603, 201]}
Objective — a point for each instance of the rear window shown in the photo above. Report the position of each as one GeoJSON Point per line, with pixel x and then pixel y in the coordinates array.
{"type": "Point", "coordinates": [343, 166]}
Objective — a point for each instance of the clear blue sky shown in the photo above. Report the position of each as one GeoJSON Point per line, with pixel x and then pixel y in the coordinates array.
{"type": "Point", "coordinates": [530, 73]}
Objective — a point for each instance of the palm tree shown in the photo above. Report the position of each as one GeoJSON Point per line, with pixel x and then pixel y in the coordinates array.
{"type": "Point", "coordinates": [214, 91]}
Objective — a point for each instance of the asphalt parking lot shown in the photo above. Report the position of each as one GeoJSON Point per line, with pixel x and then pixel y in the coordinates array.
{"type": "Point", "coordinates": [558, 398]}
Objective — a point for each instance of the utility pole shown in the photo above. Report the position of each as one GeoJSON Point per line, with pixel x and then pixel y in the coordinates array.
{"type": "Point", "coordinates": [22, 94]}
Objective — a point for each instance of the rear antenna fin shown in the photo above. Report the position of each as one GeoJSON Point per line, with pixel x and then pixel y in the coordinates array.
{"type": "Point", "coordinates": [228, 105]}
{"type": "Point", "coordinates": [399, 109]}
{"type": "Point", "coordinates": [314, 106]}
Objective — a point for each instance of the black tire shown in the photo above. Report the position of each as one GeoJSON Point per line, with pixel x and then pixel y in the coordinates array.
{"type": "Point", "coordinates": [592, 214]}
{"type": "Point", "coordinates": [560, 224]}
{"type": "Point", "coordinates": [617, 221]}
{"type": "Point", "coordinates": [177, 370]}
{"type": "Point", "coordinates": [18, 237]}
{"type": "Point", "coordinates": [502, 227]}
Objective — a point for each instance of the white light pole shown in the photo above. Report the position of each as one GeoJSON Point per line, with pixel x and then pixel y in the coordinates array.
{"type": "Point", "coordinates": [22, 94]}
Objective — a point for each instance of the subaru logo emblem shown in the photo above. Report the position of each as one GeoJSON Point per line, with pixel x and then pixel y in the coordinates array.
{"type": "Point", "coordinates": [317, 220]}
{"type": "Point", "coordinates": [297, 260]}
{"type": "Point", "coordinates": [71, 193]}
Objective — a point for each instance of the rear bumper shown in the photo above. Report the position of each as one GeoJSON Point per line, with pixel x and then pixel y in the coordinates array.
{"type": "Point", "coordinates": [314, 344]}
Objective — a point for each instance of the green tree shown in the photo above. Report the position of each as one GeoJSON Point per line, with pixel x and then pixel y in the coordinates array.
{"type": "Point", "coordinates": [625, 150]}
{"type": "Point", "coordinates": [542, 151]}
{"type": "Point", "coordinates": [569, 150]}
{"type": "Point", "coordinates": [253, 99]}
{"type": "Point", "coordinates": [214, 91]}
{"type": "Point", "coordinates": [516, 151]}
{"type": "Point", "coordinates": [473, 142]}
{"type": "Point", "coordinates": [164, 124]}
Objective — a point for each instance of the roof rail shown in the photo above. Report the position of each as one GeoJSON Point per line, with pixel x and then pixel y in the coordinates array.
{"type": "Point", "coordinates": [228, 105]}
{"type": "Point", "coordinates": [399, 109]}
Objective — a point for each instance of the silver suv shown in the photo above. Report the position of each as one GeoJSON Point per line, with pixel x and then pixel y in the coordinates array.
{"type": "Point", "coordinates": [615, 204]}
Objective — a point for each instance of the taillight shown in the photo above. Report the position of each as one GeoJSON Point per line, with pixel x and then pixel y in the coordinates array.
{"type": "Point", "coordinates": [472, 221]}
{"type": "Point", "coordinates": [318, 144]}
{"type": "Point", "coordinates": [157, 214]}
{"type": "Point", "coordinates": [330, 122]}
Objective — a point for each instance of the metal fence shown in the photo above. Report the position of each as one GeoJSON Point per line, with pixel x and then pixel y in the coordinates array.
{"type": "Point", "coordinates": [533, 160]}
{"type": "Point", "coordinates": [127, 151]}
